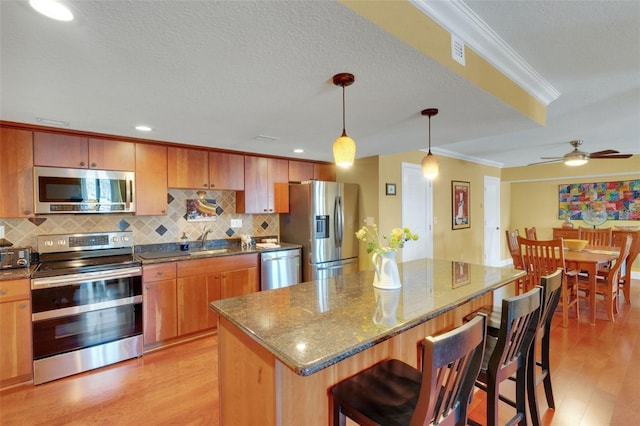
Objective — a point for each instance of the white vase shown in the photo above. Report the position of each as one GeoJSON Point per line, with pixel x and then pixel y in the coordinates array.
{"type": "Point", "coordinates": [386, 270]}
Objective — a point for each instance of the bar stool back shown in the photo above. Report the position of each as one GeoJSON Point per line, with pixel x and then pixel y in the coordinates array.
{"type": "Point", "coordinates": [394, 393]}
{"type": "Point", "coordinates": [507, 354]}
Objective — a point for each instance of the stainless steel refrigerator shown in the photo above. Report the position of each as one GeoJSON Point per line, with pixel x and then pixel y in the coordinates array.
{"type": "Point", "coordinates": [323, 218]}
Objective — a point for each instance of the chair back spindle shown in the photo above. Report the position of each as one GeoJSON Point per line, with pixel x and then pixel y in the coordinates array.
{"type": "Point", "coordinates": [596, 237]}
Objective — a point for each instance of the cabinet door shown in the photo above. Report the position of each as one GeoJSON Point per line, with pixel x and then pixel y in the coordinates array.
{"type": "Point", "coordinates": [238, 282]}
{"type": "Point", "coordinates": [16, 165]}
{"type": "Point", "coordinates": [226, 171]}
{"type": "Point", "coordinates": [326, 172]}
{"type": "Point", "coordinates": [160, 311]}
{"type": "Point", "coordinates": [300, 171]}
{"type": "Point", "coordinates": [15, 333]}
{"type": "Point", "coordinates": [58, 150]}
{"type": "Point", "coordinates": [107, 154]}
{"type": "Point", "coordinates": [194, 295]}
{"type": "Point", "coordinates": [151, 179]}
{"type": "Point", "coordinates": [260, 196]}
{"type": "Point", "coordinates": [188, 168]}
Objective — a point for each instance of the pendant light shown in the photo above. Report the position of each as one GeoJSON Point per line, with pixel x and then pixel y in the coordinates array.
{"type": "Point", "coordinates": [430, 162]}
{"type": "Point", "coordinates": [344, 148]}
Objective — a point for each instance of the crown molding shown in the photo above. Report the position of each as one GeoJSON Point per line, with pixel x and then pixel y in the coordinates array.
{"type": "Point", "coordinates": [452, 154]}
{"type": "Point", "coordinates": [457, 18]}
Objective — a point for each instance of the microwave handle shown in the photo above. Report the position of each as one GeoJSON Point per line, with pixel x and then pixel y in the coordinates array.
{"type": "Point", "coordinates": [129, 193]}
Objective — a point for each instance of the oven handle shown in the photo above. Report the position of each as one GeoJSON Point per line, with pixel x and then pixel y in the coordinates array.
{"type": "Point", "coordinates": [62, 280]}
{"type": "Point", "coordinates": [74, 310]}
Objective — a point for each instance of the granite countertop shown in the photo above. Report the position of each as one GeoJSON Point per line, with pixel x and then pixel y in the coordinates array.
{"type": "Point", "coordinates": [148, 257]}
{"type": "Point", "coordinates": [313, 325]}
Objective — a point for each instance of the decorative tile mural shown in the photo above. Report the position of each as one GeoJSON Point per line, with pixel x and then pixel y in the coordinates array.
{"type": "Point", "coordinates": [620, 199]}
{"type": "Point", "coordinates": [149, 229]}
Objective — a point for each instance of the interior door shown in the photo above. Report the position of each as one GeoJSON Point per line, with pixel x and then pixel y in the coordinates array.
{"type": "Point", "coordinates": [417, 212]}
{"type": "Point", "coordinates": [492, 221]}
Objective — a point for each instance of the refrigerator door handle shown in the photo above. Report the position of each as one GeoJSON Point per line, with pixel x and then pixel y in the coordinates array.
{"type": "Point", "coordinates": [339, 221]}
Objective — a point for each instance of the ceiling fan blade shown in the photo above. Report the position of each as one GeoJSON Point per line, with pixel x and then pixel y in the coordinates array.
{"type": "Point", "coordinates": [605, 152]}
{"type": "Point", "coordinates": [601, 157]}
{"type": "Point", "coordinates": [557, 160]}
{"type": "Point", "coordinates": [551, 158]}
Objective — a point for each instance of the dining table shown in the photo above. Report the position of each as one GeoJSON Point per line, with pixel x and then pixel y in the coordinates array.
{"type": "Point", "coordinates": [590, 260]}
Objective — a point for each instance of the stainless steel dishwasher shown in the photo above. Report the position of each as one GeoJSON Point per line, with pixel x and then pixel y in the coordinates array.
{"type": "Point", "coordinates": [280, 268]}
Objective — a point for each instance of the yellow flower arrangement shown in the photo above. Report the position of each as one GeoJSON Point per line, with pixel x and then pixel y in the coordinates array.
{"type": "Point", "coordinates": [396, 240]}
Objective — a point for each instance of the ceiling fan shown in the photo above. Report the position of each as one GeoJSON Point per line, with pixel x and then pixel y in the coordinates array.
{"type": "Point", "coordinates": [578, 158]}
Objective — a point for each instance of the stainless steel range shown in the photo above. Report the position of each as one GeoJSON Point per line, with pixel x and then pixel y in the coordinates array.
{"type": "Point", "coordinates": [86, 303]}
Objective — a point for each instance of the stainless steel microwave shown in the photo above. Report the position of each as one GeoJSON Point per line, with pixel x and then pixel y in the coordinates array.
{"type": "Point", "coordinates": [59, 190]}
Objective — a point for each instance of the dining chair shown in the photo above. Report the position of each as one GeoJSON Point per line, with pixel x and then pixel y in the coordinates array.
{"type": "Point", "coordinates": [514, 250]}
{"type": "Point", "coordinates": [624, 279]}
{"type": "Point", "coordinates": [543, 257]}
{"type": "Point", "coordinates": [506, 355]}
{"type": "Point", "coordinates": [394, 393]}
{"type": "Point", "coordinates": [531, 233]}
{"type": "Point", "coordinates": [596, 236]}
{"type": "Point", "coordinates": [608, 288]}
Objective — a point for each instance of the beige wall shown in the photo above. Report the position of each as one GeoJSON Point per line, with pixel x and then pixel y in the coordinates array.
{"type": "Point", "coordinates": [529, 197]}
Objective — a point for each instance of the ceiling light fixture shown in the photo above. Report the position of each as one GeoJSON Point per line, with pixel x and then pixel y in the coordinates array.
{"type": "Point", "coordinates": [52, 9]}
{"type": "Point", "coordinates": [576, 157]}
{"type": "Point", "coordinates": [430, 162]}
{"type": "Point", "coordinates": [144, 128]}
{"type": "Point", "coordinates": [298, 150]}
{"type": "Point", "coordinates": [52, 121]}
{"type": "Point", "coordinates": [344, 148]}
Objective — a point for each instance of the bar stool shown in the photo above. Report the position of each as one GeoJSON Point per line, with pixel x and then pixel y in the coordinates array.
{"type": "Point", "coordinates": [394, 393]}
{"type": "Point", "coordinates": [507, 354]}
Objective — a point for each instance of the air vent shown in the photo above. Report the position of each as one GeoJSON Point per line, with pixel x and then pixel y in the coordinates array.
{"type": "Point", "coordinates": [457, 49]}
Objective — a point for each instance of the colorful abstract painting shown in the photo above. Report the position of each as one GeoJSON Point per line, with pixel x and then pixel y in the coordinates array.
{"type": "Point", "coordinates": [620, 199]}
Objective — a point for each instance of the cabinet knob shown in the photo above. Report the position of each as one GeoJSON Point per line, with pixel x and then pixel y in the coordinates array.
{"type": "Point", "coordinates": [148, 287]}
{"type": "Point", "coordinates": [213, 185]}
{"type": "Point", "coordinates": [3, 291]}
{"type": "Point", "coordinates": [205, 185]}
{"type": "Point", "coordinates": [82, 163]}
{"type": "Point", "coordinates": [160, 272]}
{"type": "Point", "coordinates": [27, 212]}
{"type": "Point", "coordinates": [163, 211]}
{"type": "Point", "coordinates": [22, 306]}
{"type": "Point", "coordinates": [94, 165]}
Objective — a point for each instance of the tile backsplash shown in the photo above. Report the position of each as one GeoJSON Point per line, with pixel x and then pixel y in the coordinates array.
{"type": "Point", "coordinates": [148, 229]}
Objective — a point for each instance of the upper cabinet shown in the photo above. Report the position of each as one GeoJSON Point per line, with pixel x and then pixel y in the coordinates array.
{"type": "Point", "coordinates": [80, 152]}
{"type": "Point", "coordinates": [200, 169]}
{"type": "Point", "coordinates": [300, 171]}
{"type": "Point", "coordinates": [151, 179]}
{"type": "Point", "coordinates": [16, 165]}
{"type": "Point", "coordinates": [226, 171]}
{"type": "Point", "coordinates": [266, 187]}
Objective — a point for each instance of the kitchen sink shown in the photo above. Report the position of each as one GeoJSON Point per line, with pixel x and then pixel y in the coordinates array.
{"type": "Point", "coordinates": [208, 252]}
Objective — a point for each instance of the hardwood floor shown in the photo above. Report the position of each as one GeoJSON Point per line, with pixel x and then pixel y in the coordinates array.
{"type": "Point", "coordinates": [596, 381]}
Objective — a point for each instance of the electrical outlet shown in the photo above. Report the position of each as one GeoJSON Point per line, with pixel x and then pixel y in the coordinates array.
{"type": "Point", "coordinates": [2, 231]}
{"type": "Point", "coordinates": [236, 223]}
{"type": "Point", "coordinates": [369, 221]}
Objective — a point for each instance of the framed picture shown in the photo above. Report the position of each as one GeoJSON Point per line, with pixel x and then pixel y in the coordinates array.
{"type": "Point", "coordinates": [201, 210]}
{"type": "Point", "coordinates": [460, 192]}
{"type": "Point", "coordinates": [390, 188]}
{"type": "Point", "coordinates": [460, 274]}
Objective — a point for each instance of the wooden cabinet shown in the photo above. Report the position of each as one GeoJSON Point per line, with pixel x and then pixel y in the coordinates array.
{"type": "Point", "coordinates": [151, 179]}
{"type": "Point", "coordinates": [15, 332]}
{"type": "Point", "coordinates": [226, 171]}
{"type": "Point", "coordinates": [202, 281]}
{"type": "Point", "coordinates": [565, 233]}
{"type": "Point", "coordinates": [200, 169]}
{"type": "Point", "coordinates": [266, 187]}
{"type": "Point", "coordinates": [159, 303]}
{"type": "Point", "coordinates": [80, 152]}
{"type": "Point", "coordinates": [16, 165]}
{"type": "Point", "coordinates": [300, 171]}
{"type": "Point", "coordinates": [188, 168]}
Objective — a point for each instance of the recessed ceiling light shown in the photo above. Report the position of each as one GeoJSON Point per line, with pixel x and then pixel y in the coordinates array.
{"type": "Point", "coordinates": [144, 128]}
{"type": "Point", "coordinates": [52, 9]}
{"type": "Point", "coordinates": [52, 121]}
{"type": "Point", "coordinates": [298, 150]}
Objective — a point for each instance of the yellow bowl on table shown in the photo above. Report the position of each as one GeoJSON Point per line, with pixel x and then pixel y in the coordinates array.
{"type": "Point", "coordinates": [575, 245]}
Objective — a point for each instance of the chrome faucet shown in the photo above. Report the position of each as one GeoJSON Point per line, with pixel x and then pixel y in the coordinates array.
{"type": "Point", "coordinates": [203, 237]}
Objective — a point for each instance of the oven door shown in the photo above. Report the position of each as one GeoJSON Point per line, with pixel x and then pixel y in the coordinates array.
{"type": "Point", "coordinates": [75, 315]}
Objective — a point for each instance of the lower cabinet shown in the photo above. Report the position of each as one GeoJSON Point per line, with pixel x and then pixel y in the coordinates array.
{"type": "Point", "coordinates": [15, 333]}
{"type": "Point", "coordinates": [177, 294]}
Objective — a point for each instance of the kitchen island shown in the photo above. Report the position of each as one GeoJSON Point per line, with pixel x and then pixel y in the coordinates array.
{"type": "Point", "coordinates": [281, 351]}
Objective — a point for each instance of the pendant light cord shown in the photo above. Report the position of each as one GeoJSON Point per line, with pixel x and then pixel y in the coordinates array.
{"type": "Point", "coordinates": [344, 131]}
{"type": "Point", "coordinates": [428, 153]}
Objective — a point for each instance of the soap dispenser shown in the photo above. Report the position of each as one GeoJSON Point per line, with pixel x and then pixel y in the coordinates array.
{"type": "Point", "coordinates": [184, 242]}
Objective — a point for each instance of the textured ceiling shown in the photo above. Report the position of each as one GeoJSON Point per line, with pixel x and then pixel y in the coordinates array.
{"type": "Point", "coordinates": [219, 74]}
